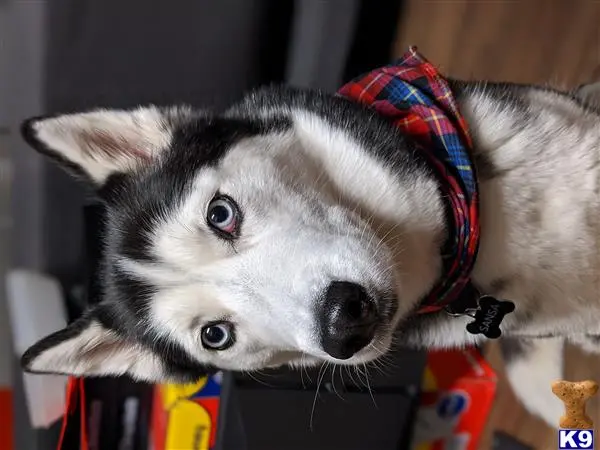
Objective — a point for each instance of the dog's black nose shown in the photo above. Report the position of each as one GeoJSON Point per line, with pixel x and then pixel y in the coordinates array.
{"type": "Point", "coordinates": [348, 319]}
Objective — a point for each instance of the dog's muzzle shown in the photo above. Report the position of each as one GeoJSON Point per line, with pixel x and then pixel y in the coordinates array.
{"type": "Point", "coordinates": [348, 319]}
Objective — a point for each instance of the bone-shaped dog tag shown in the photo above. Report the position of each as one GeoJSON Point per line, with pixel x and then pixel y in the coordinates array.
{"type": "Point", "coordinates": [489, 316]}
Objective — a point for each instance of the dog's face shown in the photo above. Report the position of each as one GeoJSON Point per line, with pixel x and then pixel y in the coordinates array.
{"type": "Point", "coordinates": [228, 245]}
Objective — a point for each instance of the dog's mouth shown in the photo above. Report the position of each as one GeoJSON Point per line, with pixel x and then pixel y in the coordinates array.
{"type": "Point", "coordinates": [377, 346]}
{"type": "Point", "coordinates": [377, 340]}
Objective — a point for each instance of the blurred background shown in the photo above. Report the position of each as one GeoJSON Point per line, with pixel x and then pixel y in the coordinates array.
{"type": "Point", "coordinates": [66, 55]}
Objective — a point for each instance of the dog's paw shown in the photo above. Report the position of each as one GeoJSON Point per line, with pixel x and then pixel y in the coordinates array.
{"type": "Point", "coordinates": [532, 365]}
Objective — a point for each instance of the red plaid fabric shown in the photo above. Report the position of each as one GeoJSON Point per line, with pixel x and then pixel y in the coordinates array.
{"type": "Point", "coordinates": [412, 93]}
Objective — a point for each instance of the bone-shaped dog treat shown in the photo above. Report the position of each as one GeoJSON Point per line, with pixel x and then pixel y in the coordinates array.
{"type": "Point", "coordinates": [575, 395]}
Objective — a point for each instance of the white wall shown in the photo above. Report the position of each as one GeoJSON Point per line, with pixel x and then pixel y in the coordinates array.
{"type": "Point", "coordinates": [6, 356]}
{"type": "Point", "coordinates": [21, 72]}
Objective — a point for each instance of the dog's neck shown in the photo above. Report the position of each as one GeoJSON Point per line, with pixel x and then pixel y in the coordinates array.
{"type": "Point", "coordinates": [417, 99]}
{"type": "Point", "coordinates": [536, 152]}
{"type": "Point", "coordinates": [407, 212]}
{"type": "Point", "coordinates": [368, 162]}
{"type": "Point", "coordinates": [517, 159]}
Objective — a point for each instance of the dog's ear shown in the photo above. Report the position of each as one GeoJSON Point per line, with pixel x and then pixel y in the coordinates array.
{"type": "Point", "coordinates": [87, 348]}
{"type": "Point", "coordinates": [100, 143]}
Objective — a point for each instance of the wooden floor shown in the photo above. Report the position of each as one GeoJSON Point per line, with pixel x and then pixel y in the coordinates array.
{"type": "Point", "coordinates": [531, 41]}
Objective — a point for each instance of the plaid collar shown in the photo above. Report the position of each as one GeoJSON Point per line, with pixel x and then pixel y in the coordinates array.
{"type": "Point", "coordinates": [413, 94]}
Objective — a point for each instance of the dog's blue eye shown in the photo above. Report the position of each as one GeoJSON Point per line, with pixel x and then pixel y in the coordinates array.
{"type": "Point", "coordinates": [217, 336]}
{"type": "Point", "coordinates": [222, 215]}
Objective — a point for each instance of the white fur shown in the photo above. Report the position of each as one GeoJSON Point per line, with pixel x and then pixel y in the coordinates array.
{"type": "Point", "coordinates": [98, 351]}
{"type": "Point", "coordinates": [136, 136]}
{"type": "Point", "coordinates": [319, 207]}
{"type": "Point", "coordinates": [552, 263]}
{"type": "Point", "coordinates": [264, 273]}
{"type": "Point", "coordinates": [531, 379]}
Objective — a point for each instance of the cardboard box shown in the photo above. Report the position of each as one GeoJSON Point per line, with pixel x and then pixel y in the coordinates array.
{"type": "Point", "coordinates": [185, 417]}
{"type": "Point", "coordinates": [458, 391]}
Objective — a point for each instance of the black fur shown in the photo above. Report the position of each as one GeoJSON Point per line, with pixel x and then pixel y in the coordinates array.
{"type": "Point", "coordinates": [137, 202]}
{"type": "Point", "coordinates": [179, 366]}
{"type": "Point", "coordinates": [377, 133]}
{"type": "Point", "coordinates": [594, 339]}
{"type": "Point", "coordinates": [513, 349]}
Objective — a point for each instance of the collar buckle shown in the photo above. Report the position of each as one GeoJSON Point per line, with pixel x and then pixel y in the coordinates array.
{"type": "Point", "coordinates": [465, 305]}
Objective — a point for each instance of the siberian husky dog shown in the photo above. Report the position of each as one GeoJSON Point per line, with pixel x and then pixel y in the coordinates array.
{"type": "Point", "coordinates": [298, 227]}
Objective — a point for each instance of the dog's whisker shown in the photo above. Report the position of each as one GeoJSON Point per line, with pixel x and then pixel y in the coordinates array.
{"type": "Point", "coordinates": [308, 375]}
{"type": "Point", "coordinates": [391, 243]}
{"type": "Point", "coordinates": [333, 368]}
{"type": "Point", "coordinates": [379, 365]}
{"type": "Point", "coordinates": [322, 372]}
{"type": "Point", "coordinates": [367, 223]}
{"type": "Point", "coordinates": [302, 357]}
{"type": "Point", "coordinates": [360, 384]}
{"type": "Point", "coordinates": [349, 372]}
{"type": "Point", "coordinates": [249, 373]}
{"type": "Point", "coordinates": [383, 361]}
{"type": "Point", "coordinates": [373, 235]}
{"type": "Point", "coordinates": [342, 378]}
{"type": "Point", "coordinates": [369, 386]}
{"type": "Point", "coordinates": [385, 243]}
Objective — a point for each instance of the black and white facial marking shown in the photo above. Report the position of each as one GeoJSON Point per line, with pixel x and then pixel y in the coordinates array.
{"type": "Point", "coordinates": [271, 234]}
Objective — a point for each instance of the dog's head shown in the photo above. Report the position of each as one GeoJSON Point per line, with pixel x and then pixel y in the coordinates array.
{"type": "Point", "coordinates": [255, 238]}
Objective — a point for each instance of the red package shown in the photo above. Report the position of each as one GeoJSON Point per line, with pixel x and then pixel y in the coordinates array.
{"type": "Point", "coordinates": [458, 390]}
